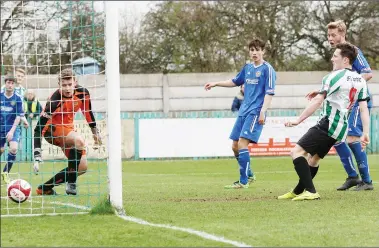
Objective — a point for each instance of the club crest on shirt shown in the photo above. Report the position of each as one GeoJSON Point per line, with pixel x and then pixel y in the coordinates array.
{"type": "Point", "coordinates": [258, 74]}
{"type": "Point", "coordinates": [13, 103]}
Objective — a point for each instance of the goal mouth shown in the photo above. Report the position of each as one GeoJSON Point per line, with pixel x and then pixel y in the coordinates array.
{"type": "Point", "coordinates": [41, 40]}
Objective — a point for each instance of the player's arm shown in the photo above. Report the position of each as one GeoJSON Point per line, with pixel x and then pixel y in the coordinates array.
{"type": "Point", "coordinates": [21, 113]}
{"type": "Point", "coordinates": [365, 116]}
{"type": "Point", "coordinates": [88, 113]}
{"type": "Point", "coordinates": [270, 82]}
{"type": "Point", "coordinates": [16, 122]}
{"type": "Point", "coordinates": [315, 104]}
{"type": "Point", "coordinates": [362, 98]}
{"type": "Point", "coordinates": [237, 81]}
{"type": "Point", "coordinates": [361, 65]}
{"type": "Point", "coordinates": [227, 83]}
{"type": "Point", "coordinates": [51, 106]}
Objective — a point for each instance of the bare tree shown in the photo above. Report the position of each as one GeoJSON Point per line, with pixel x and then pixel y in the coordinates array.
{"type": "Point", "coordinates": [20, 22]}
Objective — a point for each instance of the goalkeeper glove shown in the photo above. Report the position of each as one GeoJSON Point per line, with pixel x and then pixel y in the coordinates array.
{"type": "Point", "coordinates": [96, 137]}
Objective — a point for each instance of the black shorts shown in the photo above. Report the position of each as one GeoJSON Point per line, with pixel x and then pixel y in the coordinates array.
{"type": "Point", "coordinates": [316, 140]}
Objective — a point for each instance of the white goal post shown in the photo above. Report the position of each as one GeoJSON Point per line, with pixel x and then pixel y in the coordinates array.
{"type": "Point", "coordinates": [113, 101]}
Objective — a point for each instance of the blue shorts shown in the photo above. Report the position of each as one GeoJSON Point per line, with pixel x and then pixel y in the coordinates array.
{"type": "Point", "coordinates": [16, 137]}
{"type": "Point", "coordinates": [247, 127]}
{"type": "Point", "coordinates": [355, 122]}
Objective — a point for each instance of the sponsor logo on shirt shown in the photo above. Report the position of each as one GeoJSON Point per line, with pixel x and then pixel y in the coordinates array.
{"type": "Point", "coordinates": [252, 81]}
{"type": "Point", "coordinates": [6, 108]}
{"type": "Point", "coordinates": [354, 79]}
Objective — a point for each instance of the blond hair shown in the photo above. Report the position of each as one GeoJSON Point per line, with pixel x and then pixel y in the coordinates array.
{"type": "Point", "coordinates": [339, 25]}
{"type": "Point", "coordinates": [29, 91]}
{"type": "Point", "coordinates": [21, 70]}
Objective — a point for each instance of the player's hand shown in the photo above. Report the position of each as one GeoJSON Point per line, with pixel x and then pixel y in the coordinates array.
{"type": "Point", "coordinates": [365, 140]}
{"type": "Point", "coordinates": [9, 136]}
{"type": "Point", "coordinates": [26, 123]}
{"type": "Point", "coordinates": [97, 141]}
{"type": "Point", "coordinates": [312, 94]}
{"type": "Point", "coordinates": [209, 86]}
{"type": "Point", "coordinates": [262, 118]}
{"type": "Point", "coordinates": [291, 123]}
{"type": "Point", "coordinates": [31, 115]}
{"type": "Point", "coordinates": [97, 138]}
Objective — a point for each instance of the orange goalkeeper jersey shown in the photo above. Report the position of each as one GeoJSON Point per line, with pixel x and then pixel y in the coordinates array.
{"type": "Point", "coordinates": [60, 111]}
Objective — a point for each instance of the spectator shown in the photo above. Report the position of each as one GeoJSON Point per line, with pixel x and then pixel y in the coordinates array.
{"type": "Point", "coordinates": [32, 107]}
{"type": "Point", "coordinates": [20, 77]}
{"type": "Point", "coordinates": [238, 99]}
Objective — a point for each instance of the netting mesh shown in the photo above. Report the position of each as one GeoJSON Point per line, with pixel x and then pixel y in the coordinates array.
{"type": "Point", "coordinates": [43, 38]}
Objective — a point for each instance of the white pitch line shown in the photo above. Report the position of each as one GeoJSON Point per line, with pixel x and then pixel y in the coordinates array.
{"type": "Point", "coordinates": [186, 230]}
{"type": "Point", "coordinates": [71, 205]}
{"type": "Point", "coordinates": [221, 173]}
{"type": "Point", "coordinates": [141, 222]}
{"type": "Point", "coordinates": [35, 215]}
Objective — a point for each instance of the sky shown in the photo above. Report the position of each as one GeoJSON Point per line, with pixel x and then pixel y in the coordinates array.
{"type": "Point", "coordinates": [133, 11]}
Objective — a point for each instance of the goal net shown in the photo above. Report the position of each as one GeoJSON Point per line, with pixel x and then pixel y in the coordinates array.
{"type": "Point", "coordinates": [39, 40]}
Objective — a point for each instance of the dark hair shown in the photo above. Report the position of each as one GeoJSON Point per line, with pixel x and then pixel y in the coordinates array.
{"type": "Point", "coordinates": [257, 43]}
{"type": "Point", "coordinates": [66, 74]}
{"type": "Point", "coordinates": [348, 51]}
{"type": "Point", "coordinates": [10, 77]}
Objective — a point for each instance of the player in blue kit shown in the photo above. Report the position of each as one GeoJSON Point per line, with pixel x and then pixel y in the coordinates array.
{"type": "Point", "coordinates": [259, 79]}
{"type": "Point", "coordinates": [10, 117]}
{"type": "Point", "coordinates": [337, 35]}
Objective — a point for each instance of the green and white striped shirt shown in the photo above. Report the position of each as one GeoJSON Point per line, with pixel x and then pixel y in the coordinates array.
{"type": "Point", "coordinates": [343, 88]}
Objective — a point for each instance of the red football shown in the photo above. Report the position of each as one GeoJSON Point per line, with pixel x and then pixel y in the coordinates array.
{"type": "Point", "coordinates": [19, 190]}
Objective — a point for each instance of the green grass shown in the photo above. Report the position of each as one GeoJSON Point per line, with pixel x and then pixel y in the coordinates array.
{"type": "Point", "coordinates": [103, 207]}
{"type": "Point", "coordinates": [190, 194]}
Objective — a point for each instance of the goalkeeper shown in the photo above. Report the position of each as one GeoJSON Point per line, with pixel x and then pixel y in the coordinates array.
{"type": "Point", "coordinates": [56, 125]}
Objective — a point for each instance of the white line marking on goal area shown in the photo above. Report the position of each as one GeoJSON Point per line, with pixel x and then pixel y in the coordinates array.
{"type": "Point", "coordinates": [35, 215]}
{"type": "Point", "coordinates": [140, 221]}
{"type": "Point", "coordinates": [187, 230]}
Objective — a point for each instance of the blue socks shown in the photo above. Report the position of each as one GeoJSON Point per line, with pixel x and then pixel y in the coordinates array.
{"type": "Point", "coordinates": [10, 160]}
{"type": "Point", "coordinates": [244, 163]}
{"type": "Point", "coordinates": [249, 171]}
{"type": "Point", "coordinates": [346, 158]}
{"type": "Point", "coordinates": [361, 158]}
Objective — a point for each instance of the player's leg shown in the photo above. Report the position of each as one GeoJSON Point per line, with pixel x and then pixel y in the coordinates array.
{"type": "Point", "coordinates": [74, 172]}
{"type": "Point", "coordinates": [234, 136]}
{"type": "Point", "coordinates": [235, 149]}
{"type": "Point", "coordinates": [317, 143]}
{"type": "Point", "coordinates": [362, 162]}
{"type": "Point", "coordinates": [313, 168]}
{"type": "Point", "coordinates": [12, 153]}
{"type": "Point", "coordinates": [345, 155]}
{"type": "Point", "coordinates": [250, 132]}
{"type": "Point", "coordinates": [4, 175]}
{"type": "Point", "coordinates": [298, 155]}
{"type": "Point", "coordinates": [353, 140]}
{"type": "Point", "coordinates": [72, 142]}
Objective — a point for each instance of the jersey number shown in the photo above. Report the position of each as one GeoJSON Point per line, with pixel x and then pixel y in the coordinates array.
{"type": "Point", "coordinates": [352, 93]}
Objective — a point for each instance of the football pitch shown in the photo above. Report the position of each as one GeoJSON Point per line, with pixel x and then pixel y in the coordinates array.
{"type": "Point", "coordinates": [183, 203]}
